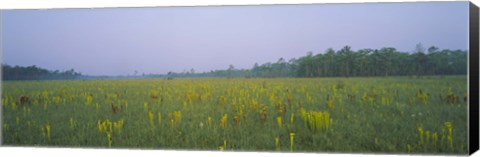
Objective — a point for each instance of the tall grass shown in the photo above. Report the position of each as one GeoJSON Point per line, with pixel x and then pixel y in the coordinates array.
{"type": "Point", "coordinates": [299, 114]}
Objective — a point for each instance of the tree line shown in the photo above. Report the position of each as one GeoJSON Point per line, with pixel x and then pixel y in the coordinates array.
{"type": "Point", "coordinates": [346, 62]}
{"type": "Point", "coordinates": [35, 73]}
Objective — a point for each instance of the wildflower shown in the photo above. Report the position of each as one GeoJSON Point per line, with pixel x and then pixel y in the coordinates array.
{"type": "Point", "coordinates": [48, 130]}
{"type": "Point", "coordinates": [150, 118]}
{"type": "Point", "coordinates": [145, 106]}
{"type": "Point", "coordinates": [110, 126]}
{"type": "Point", "coordinates": [434, 138]}
{"type": "Point", "coordinates": [118, 125]}
{"type": "Point", "coordinates": [279, 121]}
{"type": "Point", "coordinates": [304, 115]}
{"type": "Point", "coordinates": [178, 116]}
{"type": "Point", "coordinates": [449, 127]}
{"type": "Point", "coordinates": [277, 144]}
{"type": "Point", "coordinates": [291, 141]}
{"type": "Point", "coordinates": [236, 119]}
{"type": "Point", "coordinates": [225, 143]}
{"type": "Point", "coordinates": [109, 138]}
{"type": "Point", "coordinates": [223, 121]}
{"type": "Point", "coordinates": [420, 131]}
{"type": "Point", "coordinates": [99, 125]}
{"type": "Point", "coordinates": [88, 100]}
{"type": "Point", "coordinates": [263, 114]}
{"type": "Point", "coordinates": [43, 132]}
{"type": "Point", "coordinates": [330, 104]}
{"type": "Point", "coordinates": [222, 101]}
{"type": "Point", "coordinates": [292, 118]}
{"type": "Point", "coordinates": [209, 120]}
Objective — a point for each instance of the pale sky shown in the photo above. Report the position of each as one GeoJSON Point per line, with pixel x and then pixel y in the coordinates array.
{"type": "Point", "coordinates": [118, 41]}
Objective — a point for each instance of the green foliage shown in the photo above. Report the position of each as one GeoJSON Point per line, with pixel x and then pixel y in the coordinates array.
{"type": "Point", "coordinates": [366, 115]}
{"type": "Point", "coordinates": [35, 73]}
{"type": "Point", "coordinates": [349, 63]}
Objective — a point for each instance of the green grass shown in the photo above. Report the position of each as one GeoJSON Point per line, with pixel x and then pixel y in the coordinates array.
{"type": "Point", "coordinates": [364, 124]}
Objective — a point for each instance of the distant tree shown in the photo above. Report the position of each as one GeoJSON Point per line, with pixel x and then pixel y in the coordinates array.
{"type": "Point", "coordinates": [420, 58]}
{"type": "Point", "coordinates": [230, 70]}
{"type": "Point", "coordinates": [347, 62]}
{"type": "Point", "coordinates": [35, 73]}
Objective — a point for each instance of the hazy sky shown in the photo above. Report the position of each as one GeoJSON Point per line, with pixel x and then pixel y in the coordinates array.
{"type": "Point", "coordinates": [118, 41]}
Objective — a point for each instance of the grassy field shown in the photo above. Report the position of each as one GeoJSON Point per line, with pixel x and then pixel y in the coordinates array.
{"type": "Point", "coordinates": [360, 115]}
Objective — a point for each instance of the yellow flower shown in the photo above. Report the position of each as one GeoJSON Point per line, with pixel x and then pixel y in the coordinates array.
{"type": "Point", "coordinates": [434, 138]}
{"type": "Point", "coordinates": [223, 121]}
{"type": "Point", "coordinates": [292, 118]}
{"type": "Point", "coordinates": [277, 144]}
{"type": "Point", "coordinates": [88, 100]}
{"type": "Point", "coordinates": [330, 104]}
{"type": "Point", "coordinates": [110, 126]}
{"type": "Point", "coordinates": [292, 135]}
{"type": "Point", "coordinates": [178, 116]}
{"type": "Point", "coordinates": [236, 119]}
{"type": "Point", "coordinates": [279, 121]}
{"type": "Point", "coordinates": [209, 120]}
{"type": "Point", "coordinates": [150, 118]}
{"type": "Point", "coordinates": [420, 131]}
{"type": "Point", "coordinates": [100, 126]}
{"type": "Point", "coordinates": [118, 125]}
{"type": "Point", "coordinates": [48, 130]}
{"type": "Point", "coordinates": [145, 106]}
{"type": "Point", "coordinates": [225, 143]}
{"type": "Point", "coordinates": [109, 138]}
{"type": "Point", "coordinates": [43, 132]}
{"type": "Point", "coordinates": [222, 101]}
{"type": "Point", "coordinates": [449, 127]}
